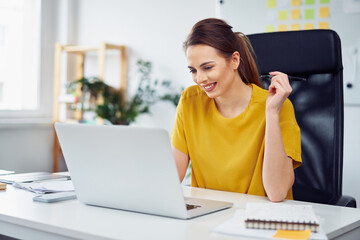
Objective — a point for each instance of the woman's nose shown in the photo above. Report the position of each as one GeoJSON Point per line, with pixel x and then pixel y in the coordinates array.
{"type": "Point", "coordinates": [200, 77]}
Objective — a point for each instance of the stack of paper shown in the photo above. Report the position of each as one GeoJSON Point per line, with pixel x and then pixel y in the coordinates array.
{"type": "Point", "coordinates": [47, 186]}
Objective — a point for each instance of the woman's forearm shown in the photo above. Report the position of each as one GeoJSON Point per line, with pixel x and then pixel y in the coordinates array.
{"type": "Point", "coordinates": [278, 173]}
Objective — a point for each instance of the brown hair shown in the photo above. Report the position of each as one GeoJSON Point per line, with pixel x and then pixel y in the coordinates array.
{"type": "Point", "coordinates": [217, 33]}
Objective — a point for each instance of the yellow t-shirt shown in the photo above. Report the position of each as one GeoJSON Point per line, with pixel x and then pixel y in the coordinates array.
{"type": "Point", "coordinates": [227, 153]}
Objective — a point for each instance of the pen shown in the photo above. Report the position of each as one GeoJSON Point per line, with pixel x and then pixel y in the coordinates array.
{"type": "Point", "coordinates": [291, 78]}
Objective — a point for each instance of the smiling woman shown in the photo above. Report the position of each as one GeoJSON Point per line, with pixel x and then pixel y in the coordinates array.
{"type": "Point", "coordinates": [226, 122]}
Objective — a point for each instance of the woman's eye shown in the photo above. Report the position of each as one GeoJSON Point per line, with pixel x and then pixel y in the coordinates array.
{"type": "Point", "coordinates": [208, 67]}
{"type": "Point", "coordinates": [192, 71]}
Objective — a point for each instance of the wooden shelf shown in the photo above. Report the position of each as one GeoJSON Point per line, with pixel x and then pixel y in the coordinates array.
{"type": "Point", "coordinates": [80, 54]}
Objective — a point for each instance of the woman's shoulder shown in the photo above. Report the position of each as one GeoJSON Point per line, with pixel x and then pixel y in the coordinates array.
{"type": "Point", "coordinates": [192, 92]}
{"type": "Point", "coordinates": [259, 94]}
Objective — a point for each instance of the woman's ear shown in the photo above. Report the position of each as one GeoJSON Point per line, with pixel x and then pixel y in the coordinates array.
{"type": "Point", "coordinates": [235, 60]}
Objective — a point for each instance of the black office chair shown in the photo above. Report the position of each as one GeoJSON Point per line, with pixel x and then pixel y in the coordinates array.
{"type": "Point", "coordinates": [319, 107]}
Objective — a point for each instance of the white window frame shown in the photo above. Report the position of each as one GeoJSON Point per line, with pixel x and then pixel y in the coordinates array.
{"type": "Point", "coordinates": [47, 32]}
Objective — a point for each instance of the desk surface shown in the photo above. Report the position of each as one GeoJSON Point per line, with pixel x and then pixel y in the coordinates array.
{"type": "Point", "coordinates": [22, 218]}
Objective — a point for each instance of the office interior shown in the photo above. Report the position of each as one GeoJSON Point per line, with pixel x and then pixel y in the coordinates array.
{"type": "Point", "coordinates": [154, 31]}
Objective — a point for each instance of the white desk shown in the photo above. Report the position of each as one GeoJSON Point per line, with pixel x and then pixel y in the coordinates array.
{"type": "Point", "coordinates": [22, 218]}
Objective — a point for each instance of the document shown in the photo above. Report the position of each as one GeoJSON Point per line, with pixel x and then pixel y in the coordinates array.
{"type": "Point", "coordinates": [47, 186]}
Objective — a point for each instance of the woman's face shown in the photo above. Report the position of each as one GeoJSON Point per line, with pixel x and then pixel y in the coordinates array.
{"type": "Point", "coordinates": [211, 71]}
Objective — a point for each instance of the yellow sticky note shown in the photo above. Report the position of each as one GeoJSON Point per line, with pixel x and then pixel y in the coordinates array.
{"type": "Point", "coordinates": [295, 27]}
{"type": "Point", "coordinates": [271, 3]}
{"type": "Point", "coordinates": [282, 15]}
{"type": "Point", "coordinates": [291, 234]}
{"type": "Point", "coordinates": [323, 25]}
{"type": "Point", "coordinates": [308, 26]}
{"type": "Point", "coordinates": [270, 28]}
{"type": "Point", "coordinates": [295, 3]}
{"type": "Point", "coordinates": [295, 14]}
{"type": "Point", "coordinates": [324, 12]}
{"type": "Point", "coordinates": [282, 28]}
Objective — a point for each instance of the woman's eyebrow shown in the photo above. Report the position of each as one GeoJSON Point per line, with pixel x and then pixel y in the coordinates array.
{"type": "Point", "coordinates": [202, 64]}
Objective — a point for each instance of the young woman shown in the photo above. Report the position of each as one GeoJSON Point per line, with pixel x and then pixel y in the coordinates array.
{"type": "Point", "coordinates": [238, 136]}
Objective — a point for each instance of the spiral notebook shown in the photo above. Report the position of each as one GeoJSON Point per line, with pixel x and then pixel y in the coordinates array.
{"type": "Point", "coordinates": [280, 216]}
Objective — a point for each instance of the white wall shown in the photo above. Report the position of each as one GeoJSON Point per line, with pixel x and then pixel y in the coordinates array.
{"type": "Point", "coordinates": [351, 176]}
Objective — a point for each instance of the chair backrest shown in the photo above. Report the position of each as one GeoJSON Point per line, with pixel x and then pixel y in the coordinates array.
{"type": "Point", "coordinates": [318, 103]}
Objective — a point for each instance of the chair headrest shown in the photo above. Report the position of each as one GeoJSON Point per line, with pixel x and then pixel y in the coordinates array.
{"type": "Point", "coordinates": [298, 52]}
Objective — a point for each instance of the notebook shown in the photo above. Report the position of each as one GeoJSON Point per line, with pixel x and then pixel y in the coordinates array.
{"type": "Point", "coordinates": [128, 168]}
{"type": "Point", "coordinates": [280, 216]}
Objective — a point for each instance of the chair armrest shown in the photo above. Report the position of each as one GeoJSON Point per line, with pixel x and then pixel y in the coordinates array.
{"type": "Point", "coordinates": [345, 201]}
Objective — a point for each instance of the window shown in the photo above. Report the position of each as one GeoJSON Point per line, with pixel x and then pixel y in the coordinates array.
{"type": "Point", "coordinates": [19, 55]}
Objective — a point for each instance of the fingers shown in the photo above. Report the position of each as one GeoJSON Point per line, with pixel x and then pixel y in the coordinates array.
{"type": "Point", "coordinates": [280, 84]}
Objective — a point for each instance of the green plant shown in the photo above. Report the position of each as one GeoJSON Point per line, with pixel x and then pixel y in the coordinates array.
{"type": "Point", "coordinates": [115, 106]}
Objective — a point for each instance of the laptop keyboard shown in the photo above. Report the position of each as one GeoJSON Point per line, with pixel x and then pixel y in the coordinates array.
{"type": "Point", "coordinates": [190, 207]}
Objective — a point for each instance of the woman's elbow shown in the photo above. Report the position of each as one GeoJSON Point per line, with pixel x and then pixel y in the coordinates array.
{"type": "Point", "coordinates": [276, 197]}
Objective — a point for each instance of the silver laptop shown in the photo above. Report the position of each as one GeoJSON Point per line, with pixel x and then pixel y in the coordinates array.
{"type": "Point", "coordinates": [128, 168]}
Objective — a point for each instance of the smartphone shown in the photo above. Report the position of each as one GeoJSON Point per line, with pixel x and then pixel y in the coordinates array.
{"type": "Point", "coordinates": [55, 197]}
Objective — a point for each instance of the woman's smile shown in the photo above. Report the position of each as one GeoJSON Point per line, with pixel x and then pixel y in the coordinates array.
{"type": "Point", "coordinates": [209, 87]}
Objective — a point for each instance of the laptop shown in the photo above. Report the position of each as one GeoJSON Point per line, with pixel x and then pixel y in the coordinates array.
{"type": "Point", "coordinates": [128, 168]}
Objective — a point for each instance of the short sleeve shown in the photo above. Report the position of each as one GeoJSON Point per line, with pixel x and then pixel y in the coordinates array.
{"type": "Point", "coordinates": [178, 138]}
{"type": "Point", "coordinates": [290, 133]}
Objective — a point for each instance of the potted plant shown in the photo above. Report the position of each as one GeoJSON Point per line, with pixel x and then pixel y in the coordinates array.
{"type": "Point", "coordinates": [113, 105]}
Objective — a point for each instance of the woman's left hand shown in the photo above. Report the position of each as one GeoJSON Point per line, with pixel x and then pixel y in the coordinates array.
{"type": "Point", "coordinates": [279, 90]}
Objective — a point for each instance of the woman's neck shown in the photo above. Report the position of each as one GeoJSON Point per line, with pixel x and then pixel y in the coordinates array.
{"type": "Point", "coordinates": [235, 100]}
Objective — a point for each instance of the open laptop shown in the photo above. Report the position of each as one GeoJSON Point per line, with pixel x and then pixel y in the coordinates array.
{"type": "Point", "coordinates": [128, 168]}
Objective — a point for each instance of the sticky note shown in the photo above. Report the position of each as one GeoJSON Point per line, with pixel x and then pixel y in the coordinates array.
{"type": "Point", "coordinates": [324, 12]}
{"type": "Point", "coordinates": [323, 25]}
{"type": "Point", "coordinates": [295, 27]}
{"type": "Point", "coordinates": [271, 3]}
{"type": "Point", "coordinates": [309, 2]}
{"type": "Point", "coordinates": [308, 26]}
{"type": "Point", "coordinates": [309, 13]}
{"type": "Point", "coordinates": [270, 28]}
{"type": "Point", "coordinates": [295, 14]}
{"type": "Point", "coordinates": [324, 1]}
{"type": "Point", "coordinates": [295, 3]}
{"type": "Point", "coordinates": [282, 27]}
{"type": "Point", "coordinates": [291, 234]}
{"type": "Point", "coordinates": [282, 15]}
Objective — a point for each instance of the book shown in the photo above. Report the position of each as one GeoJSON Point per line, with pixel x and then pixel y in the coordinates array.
{"type": "Point", "coordinates": [277, 216]}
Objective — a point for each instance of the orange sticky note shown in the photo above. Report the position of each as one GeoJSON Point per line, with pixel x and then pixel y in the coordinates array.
{"type": "Point", "coordinates": [323, 25]}
{"type": "Point", "coordinates": [282, 28]}
{"type": "Point", "coordinates": [295, 26]}
{"type": "Point", "coordinates": [308, 26]}
{"type": "Point", "coordinates": [291, 234]}
{"type": "Point", "coordinates": [324, 12]}
{"type": "Point", "coordinates": [295, 3]}
{"type": "Point", "coordinates": [295, 14]}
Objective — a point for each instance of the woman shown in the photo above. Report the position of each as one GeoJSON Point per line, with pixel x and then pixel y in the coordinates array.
{"type": "Point", "coordinates": [238, 136]}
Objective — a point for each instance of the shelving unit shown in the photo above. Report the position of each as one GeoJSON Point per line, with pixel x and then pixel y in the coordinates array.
{"type": "Point", "coordinates": [80, 54]}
